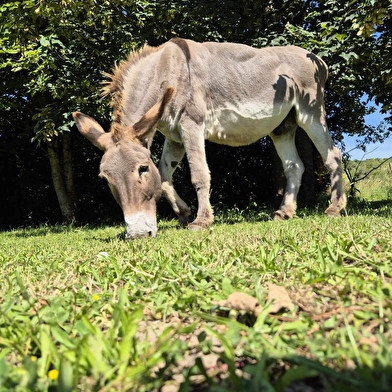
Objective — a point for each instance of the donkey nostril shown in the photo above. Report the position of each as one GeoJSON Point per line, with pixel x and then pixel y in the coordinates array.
{"type": "Point", "coordinates": [150, 234]}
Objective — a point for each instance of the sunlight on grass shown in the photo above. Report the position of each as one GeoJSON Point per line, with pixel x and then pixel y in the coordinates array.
{"type": "Point", "coordinates": [139, 315]}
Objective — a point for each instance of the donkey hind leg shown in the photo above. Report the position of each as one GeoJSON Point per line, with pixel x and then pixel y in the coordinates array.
{"type": "Point", "coordinates": [316, 128]}
{"type": "Point", "coordinates": [172, 155]}
{"type": "Point", "coordinates": [283, 138]}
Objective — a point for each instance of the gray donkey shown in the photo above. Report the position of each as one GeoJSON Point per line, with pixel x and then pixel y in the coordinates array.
{"type": "Point", "coordinates": [227, 93]}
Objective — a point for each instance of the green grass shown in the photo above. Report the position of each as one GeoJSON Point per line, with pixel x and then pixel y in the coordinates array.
{"type": "Point", "coordinates": [81, 309]}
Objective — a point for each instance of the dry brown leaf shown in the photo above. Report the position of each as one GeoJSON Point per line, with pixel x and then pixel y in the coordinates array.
{"type": "Point", "coordinates": [371, 341]}
{"type": "Point", "coordinates": [279, 298]}
{"type": "Point", "coordinates": [241, 301]}
{"type": "Point", "coordinates": [277, 295]}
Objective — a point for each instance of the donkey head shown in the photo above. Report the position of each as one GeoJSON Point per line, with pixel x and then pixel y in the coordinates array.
{"type": "Point", "coordinates": [128, 168]}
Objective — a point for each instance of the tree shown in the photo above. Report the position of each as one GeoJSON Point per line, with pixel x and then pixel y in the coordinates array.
{"type": "Point", "coordinates": [355, 39]}
{"type": "Point", "coordinates": [55, 49]}
{"type": "Point", "coordinates": [53, 53]}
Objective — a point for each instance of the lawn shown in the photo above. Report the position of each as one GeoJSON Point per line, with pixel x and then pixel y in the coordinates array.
{"type": "Point", "coordinates": [81, 309]}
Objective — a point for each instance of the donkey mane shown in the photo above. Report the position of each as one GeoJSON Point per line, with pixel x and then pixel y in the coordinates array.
{"type": "Point", "coordinates": [114, 87]}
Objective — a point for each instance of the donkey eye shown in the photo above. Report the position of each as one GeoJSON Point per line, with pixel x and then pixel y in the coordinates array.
{"type": "Point", "coordinates": [143, 169]}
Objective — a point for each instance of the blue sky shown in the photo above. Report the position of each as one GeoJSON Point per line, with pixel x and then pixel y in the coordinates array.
{"type": "Point", "coordinates": [376, 150]}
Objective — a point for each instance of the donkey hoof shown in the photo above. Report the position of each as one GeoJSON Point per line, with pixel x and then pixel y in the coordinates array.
{"type": "Point", "coordinates": [332, 211]}
{"type": "Point", "coordinates": [184, 220]}
{"type": "Point", "coordinates": [195, 227]}
{"type": "Point", "coordinates": [278, 215]}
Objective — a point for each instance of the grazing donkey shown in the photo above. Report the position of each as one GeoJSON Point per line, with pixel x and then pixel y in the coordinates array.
{"type": "Point", "coordinates": [223, 92]}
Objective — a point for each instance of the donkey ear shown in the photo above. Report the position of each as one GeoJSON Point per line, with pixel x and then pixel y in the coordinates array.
{"type": "Point", "coordinates": [92, 131]}
{"type": "Point", "coordinates": [145, 128]}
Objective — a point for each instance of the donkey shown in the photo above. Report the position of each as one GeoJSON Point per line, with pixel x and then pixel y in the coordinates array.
{"type": "Point", "coordinates": [227, 93]}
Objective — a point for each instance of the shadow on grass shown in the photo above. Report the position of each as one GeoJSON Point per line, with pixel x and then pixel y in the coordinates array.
{"type": "Point", "coordinates": [229, 216]}
{"type": "Point", "coordinates": [40, 231]}
{"type": "Point", "coordinates": [291, 373]}
{"type": "Point", "coordinates": [363, 207]}
{"type": "Point", "coordinates": [46, 229]}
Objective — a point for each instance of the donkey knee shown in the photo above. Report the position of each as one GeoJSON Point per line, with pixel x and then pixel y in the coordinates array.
{"type": "Point", "coordinates": [201, 182]}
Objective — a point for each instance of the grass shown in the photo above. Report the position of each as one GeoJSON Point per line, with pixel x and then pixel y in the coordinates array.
{"type": "Point", "coordinates": [81, 309]}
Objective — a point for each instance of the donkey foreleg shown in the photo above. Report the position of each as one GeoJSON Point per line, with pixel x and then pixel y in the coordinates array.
{"type": "Point", "coordinates": [172, 155]}
{"type": "Point", "coordinates": [193, 138]}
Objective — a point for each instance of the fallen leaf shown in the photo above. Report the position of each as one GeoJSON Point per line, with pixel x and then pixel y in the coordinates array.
{"type": "Point", "coordinates": [279, 298]}
{"type": "Point", "coordinates": [371, 341]}
{"type": "Point", "coordinates": [241, 301]}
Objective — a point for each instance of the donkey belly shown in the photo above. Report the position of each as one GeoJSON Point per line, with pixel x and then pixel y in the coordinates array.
{"type": "Point", "coordinates": [235, 127]}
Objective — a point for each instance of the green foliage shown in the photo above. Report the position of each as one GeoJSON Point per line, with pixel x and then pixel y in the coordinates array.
{"type": "Point", "coordinates": [117, 315]}
{"type": "Point", "coordinates": [53, 53]}
{"type": "Point", "coordinates": [60, 48]}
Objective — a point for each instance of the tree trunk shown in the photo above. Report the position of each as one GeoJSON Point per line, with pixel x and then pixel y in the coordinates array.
{"type": "Point", "coordinates": [68, 171]}
{"type": "Point", "coordinates": [66, 202]}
